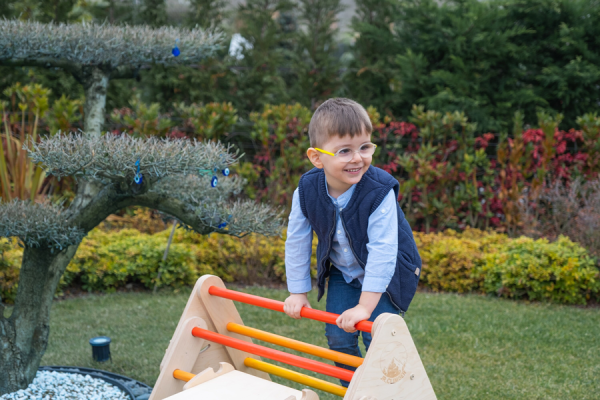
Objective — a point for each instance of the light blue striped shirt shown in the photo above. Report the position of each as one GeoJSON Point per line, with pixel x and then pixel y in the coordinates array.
{"type": "Point", "coordinates": [382, 232]}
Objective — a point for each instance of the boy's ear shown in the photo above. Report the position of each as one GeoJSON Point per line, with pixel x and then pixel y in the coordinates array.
{"type": "Point", "coordinates": [315, 157]}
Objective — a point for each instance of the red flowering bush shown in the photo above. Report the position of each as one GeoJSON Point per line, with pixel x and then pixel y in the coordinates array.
{"type": "Point", "coordinates": [451, 178]}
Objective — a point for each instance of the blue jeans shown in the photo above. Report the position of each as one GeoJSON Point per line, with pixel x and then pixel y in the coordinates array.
{"type": "Point", "coordinates": [342, 296]}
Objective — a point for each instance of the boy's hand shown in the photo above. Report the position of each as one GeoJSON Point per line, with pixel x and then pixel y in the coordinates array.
{"type": "Point", "coordinates": [367, 303]}
{"type": "Point", "coordinates": [351, 317]}
{"type": "Point", "coordinates": [294, 304]}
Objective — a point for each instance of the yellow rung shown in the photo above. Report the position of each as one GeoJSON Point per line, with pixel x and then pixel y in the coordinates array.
{"type": "Point", "coordinates": [296, 377]}
{"type": "Point", "coordinates": [283, 341]}
{"type": "Point", "coordinates": [182, 375]}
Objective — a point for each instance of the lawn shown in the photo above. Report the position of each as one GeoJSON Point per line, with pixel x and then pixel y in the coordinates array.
{"type": "Point", "coordinates": [473, 347]}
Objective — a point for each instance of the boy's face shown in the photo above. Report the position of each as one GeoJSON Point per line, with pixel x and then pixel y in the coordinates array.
{"type": "Point", "coordinates": [341, 175]}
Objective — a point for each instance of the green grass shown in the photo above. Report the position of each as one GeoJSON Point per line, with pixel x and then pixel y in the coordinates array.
{"type": "Point", "coordinates": [473, 347]}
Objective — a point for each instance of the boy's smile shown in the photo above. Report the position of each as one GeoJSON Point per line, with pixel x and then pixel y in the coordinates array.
{"type": "Point", "coordinates": [341, 175]}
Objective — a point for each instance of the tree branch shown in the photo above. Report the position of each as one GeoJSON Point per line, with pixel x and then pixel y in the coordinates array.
{"type": "Point", "coordinates": [89, 213]}
{"type": "Point", "coordinates": [235, 219]}
{"type": "Point", "coordinates": [183, 211]}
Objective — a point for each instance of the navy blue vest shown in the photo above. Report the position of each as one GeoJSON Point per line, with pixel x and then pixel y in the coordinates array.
{"type": "Point", "coordinates": [368, 194]}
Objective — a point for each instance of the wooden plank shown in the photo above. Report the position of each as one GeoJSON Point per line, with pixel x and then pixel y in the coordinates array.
{"type": "Point", "coordinates": [208, 374]}
{"type": "Point", "coordinates": [236, 385]}
{"type": "Point", "coordinates": [222, 311]}
{"type": "Point", "coordinates": [212, 356]}
{"type": "Point", "coordinates": [195, 308]}
{"type": "Point", "coordinates": [184, 351]}
{"type": "Point", "coordinates": [392, 369]}
{"type": "Point", "coordinates": [307, 394]}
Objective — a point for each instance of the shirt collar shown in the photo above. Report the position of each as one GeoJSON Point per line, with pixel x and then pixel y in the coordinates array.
{"type": "Point", "coordinates": [343, 199]}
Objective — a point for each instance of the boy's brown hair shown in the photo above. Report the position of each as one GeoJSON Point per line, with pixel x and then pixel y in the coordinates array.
{"type": "Point", "coordinates": [338, 117]}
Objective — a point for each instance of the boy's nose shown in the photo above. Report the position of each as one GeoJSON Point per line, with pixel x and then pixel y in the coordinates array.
{"type": "Point", "coordinates": [356, 158]}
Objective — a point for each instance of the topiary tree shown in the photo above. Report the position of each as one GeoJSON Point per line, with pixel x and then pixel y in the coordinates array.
{"type": "Point", "coordinates": [175, 177]}
{"type": "Point", "coordinates": [94, 54]}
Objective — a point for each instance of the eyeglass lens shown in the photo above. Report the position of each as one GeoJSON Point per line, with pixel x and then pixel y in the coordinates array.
{"type": "Point", "coordinates": [346, 154]}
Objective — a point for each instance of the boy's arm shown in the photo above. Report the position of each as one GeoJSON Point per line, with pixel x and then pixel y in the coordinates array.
{"type": "Point", "coordinates": [298, 251]}
{"type": "Point", "coordinates": [383, 245]}
{"type": "Point", "coordinates": [381, 262]}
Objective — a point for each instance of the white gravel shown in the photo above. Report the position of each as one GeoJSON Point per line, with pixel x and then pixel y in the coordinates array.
{"type": "Point", "coordinates": [50, 385]}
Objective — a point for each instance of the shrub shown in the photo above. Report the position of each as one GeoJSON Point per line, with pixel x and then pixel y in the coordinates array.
{"type": "Point", "coordinates": [571, 210]}
{"type": "Point", "coordinates": [280, 160]}
{"type": "Point", "coordinates": [449, 258]}
{"type": "Point", "coordinates": [474, 260]}
{"type": "Point", "coordinates": [252, 259]}
{"type": "Point", "coordinates": [9, 270]}
{"type": "Point", "coordinates": [561, 271]}
{"type": "Point", "coordinates": [141, 219]}
{"type": "Point", "coordinates": [108, 260]}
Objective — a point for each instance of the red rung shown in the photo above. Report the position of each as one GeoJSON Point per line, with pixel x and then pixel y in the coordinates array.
{"type": "Point", "coordinates": [276, 355]}
{"type": "Point", "coordinates": [275, 305]}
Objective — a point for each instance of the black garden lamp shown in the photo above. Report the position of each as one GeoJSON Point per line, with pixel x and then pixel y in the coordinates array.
{"type": "Point", "coordinates": [100, 348]}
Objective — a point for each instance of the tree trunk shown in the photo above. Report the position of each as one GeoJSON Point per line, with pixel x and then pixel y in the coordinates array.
{"type": "Point", "coordinates": [95, 84]}
{"type": "Point", "coordinates": [24, 335]}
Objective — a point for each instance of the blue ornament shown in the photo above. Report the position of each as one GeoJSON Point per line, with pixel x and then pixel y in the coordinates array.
{"type": "Point", "coordinates": [138, 175]}
{"type": "Point", "coordinates": [226, 172]}
{"type": "Point", "coordinates": [214, 181]}
{"type": "Point", "coordinates": [222, 225]}
{"type": "Point", "coordinates": [176, 52]}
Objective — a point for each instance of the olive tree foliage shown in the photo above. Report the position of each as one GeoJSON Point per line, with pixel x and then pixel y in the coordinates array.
{"type": "Point", "coordinates": [38, 225]}
{"type": "Point", "coordinates": [175, 175]}
{"type": "Point", "coordinates": [96, 53]}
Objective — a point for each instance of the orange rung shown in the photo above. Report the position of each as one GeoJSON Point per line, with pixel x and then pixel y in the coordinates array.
{"type": "Point", "coordinates": [275, 305]}
{"type": "Point", "coordinates": [295, 345]}
{"type": "Point", "coordinates": [276, 355]}
{"type": "Point", "coordinates": [182, 375]}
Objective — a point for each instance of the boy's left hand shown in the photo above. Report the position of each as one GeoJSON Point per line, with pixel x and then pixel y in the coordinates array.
{"type": "Point", "coordinates": [349, 318]}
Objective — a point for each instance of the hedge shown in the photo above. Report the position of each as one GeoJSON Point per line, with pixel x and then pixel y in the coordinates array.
{"type": "Point", "coordinates": [472, 261]}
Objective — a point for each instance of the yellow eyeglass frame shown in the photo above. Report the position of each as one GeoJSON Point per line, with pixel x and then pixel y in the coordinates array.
{"type": "Point", "coordinates": [332, 154]}
{"type": "Point", "coordinates": [324, 151]}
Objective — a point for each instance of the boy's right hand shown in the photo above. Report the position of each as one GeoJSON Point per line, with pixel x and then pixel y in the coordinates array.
{"type": "Point", "coordinates": [293, 304]}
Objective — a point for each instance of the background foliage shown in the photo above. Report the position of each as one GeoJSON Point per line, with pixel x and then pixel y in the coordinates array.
{"type": "Point", "coordinates": [487, 59]}
{"type": "Point", "coordinates": [486, 113]}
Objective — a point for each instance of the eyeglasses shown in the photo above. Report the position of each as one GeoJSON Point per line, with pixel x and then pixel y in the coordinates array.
{"type": "Point", "coordinates": [347, 154]}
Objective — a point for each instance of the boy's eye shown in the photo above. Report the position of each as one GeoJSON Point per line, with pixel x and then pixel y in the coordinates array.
{"type": "Point", "coordinates": [343, 151]}
{"type": "Point", "coordinates": [366, 147]}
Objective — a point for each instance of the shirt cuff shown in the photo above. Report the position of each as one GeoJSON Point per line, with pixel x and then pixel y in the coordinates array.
{"type": "Point", "coordinates": [375, 284]}
{"type": "Point", "coordinates": [299, 286]}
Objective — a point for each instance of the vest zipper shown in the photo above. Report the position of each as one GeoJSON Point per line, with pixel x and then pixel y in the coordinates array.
{"type": "Point", "coordinates": [362, 264]}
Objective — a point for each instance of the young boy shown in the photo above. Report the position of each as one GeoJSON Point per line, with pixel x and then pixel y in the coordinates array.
{"type": "Point", "coordinates": [366, 247]}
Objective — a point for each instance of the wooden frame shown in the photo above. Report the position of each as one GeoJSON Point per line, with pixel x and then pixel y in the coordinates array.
{"type": "Point", "coordinates": [392, 369]}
